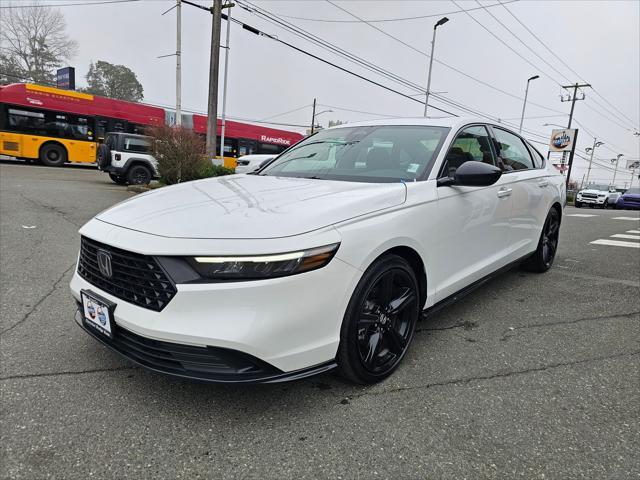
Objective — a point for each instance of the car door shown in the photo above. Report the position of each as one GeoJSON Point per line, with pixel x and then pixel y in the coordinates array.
{"type": "Point", "coordinates": [473, 233]}
{"type": "Point", "coordinates": [529, 185]}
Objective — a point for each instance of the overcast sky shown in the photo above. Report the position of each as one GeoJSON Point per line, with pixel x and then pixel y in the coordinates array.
{"type": "Point", "coordinates": [598, 40]}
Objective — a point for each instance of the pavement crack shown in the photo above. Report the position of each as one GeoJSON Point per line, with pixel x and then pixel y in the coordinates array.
{"type": "Point", "coordinates": [506, 333]}
{"type": "Point", "coordinates": [39, 302]}
{"type": "Point", "coordinates": [55, 374]}
{"type": "Point", "coordinates": [60, 213]}
{"type": "Point", "coordinates": [493, 376]}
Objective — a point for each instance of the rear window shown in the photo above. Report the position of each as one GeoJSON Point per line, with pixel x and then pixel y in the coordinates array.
{"type": "Point", "coordinates": [139, 145]}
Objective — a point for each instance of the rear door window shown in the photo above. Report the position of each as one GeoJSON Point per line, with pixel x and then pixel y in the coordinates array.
{"type": "Point", "coordinates": [138, 145]}
{"type": "Point", "coordinates": [513, 152]}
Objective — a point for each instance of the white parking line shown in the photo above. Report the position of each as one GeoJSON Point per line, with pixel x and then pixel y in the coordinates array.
{"type": "Point", "coordinates": [633, 231]}
{"type": "Point", "coordinates": [616, 243]}
{"type": "Point", "coordinates": [580, 215]}
{"type": "Point", "coordinates": [624, 235]}
{"type": "Point", "coordinates": [626, 218]}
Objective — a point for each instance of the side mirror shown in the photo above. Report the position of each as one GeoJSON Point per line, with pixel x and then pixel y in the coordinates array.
{"type": "Point", "coordinates": [473, 174]}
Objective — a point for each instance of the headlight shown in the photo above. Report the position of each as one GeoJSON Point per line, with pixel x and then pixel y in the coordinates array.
{"type": "Point", "coordinates": [256, 267]}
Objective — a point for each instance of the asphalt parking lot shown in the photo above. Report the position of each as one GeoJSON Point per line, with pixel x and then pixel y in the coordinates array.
{"type": "Point", "coordinates": [531, 376]}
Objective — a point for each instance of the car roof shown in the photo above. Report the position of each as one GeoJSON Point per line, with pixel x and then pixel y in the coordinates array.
{"type": "Point", "coordinates": [450, 122]}
{"type": "Point", "coordinates": [134, 135]}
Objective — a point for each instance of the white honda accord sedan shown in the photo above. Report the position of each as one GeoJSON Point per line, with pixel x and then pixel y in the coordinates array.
{"type": "Point", "coordinates": [324, 258]}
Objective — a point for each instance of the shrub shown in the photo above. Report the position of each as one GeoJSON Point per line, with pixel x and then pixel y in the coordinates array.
{"type": "Point", "coordinates": [180, 156]}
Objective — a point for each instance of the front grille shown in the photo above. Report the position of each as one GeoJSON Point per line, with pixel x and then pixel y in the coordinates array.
{"type": "Point", "coordinates": [202, 363]}
{"type": "Point", "coordinates": [135, 278]}
{"type": "Point", "coordinates": [632, 199]}
{"type": "Point", "coordinates": [589, 195]}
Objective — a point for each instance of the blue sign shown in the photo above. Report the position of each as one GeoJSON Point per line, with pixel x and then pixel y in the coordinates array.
{"type": "Point", "coordinates": [66, 78]}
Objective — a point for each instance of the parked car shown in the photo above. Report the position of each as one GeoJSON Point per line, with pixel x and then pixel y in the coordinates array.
{"type": "Point", "coordinates": [325, 258]}
{"type": "Point", "coordinates": [603, 196]}
{"type": "Point", "coordinates": [249, 163]}
{"type": "Point", "coordinates": [127, 158]}
{"type": "Point", "coordinates": [629, 199]}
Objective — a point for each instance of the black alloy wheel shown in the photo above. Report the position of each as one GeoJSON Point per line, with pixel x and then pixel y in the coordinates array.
{"type": "Point", "coordinates": [542, 259]}
{"type": "Point", "coordinates": [550, 236]}
{"type": "Point", "coordinates": [139, 175]}
{"type": "Point", "coordinates": [380, 321]}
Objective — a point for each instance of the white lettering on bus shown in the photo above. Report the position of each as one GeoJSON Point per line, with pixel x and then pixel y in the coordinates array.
{"type": "Point", "coordinates": [278, 140]}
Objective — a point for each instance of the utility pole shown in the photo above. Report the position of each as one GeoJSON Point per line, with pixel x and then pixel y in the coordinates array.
{"type": "Point", "coordinates": [596, 144]}
{"type": "Point", "coordinates": [224, 88]}
{"type": "Point", "coordinates": [572, 99]}
{"type": "Point", "coordinates": [313, 116]}
{"type": "Point", "coordinates": [212, 106]}
{"type": "Point", "coordinates": [179, 63]}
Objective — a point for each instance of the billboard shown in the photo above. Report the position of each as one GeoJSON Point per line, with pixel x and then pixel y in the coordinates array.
{"type": "Point", "coordinates": [66, 78]}
{"type": "Point", "coordinates": [562, 140]}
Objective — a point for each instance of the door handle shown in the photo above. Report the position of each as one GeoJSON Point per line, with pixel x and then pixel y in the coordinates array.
{"type": "Point", "coordinates": [504, 192]}
{"type": "Point", "coordinates": [543, 183]}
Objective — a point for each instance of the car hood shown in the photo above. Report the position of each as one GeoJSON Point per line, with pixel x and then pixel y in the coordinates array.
{"type": "Point", "coordinates": [630, 195]}
{"type": "Point", "coordinates": [251, 206]}
{"type": "Point", "coordinates": [598, 192]}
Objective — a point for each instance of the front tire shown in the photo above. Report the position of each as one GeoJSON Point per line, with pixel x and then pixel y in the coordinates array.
{"type": "Point", "coordinates": [577, 204]}
{"type": "Point", "coordinates": [543, 257]}
{"type": "Point", "coordinates": [53, 155]}
{"type": "Point", "coordinates": [380, 321]}
{"type": "Point", "coordinates": [139, 175]}
{"type": "Point", "coordinates": [118, 179]}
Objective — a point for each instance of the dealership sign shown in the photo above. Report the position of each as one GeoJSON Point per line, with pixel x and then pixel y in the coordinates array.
{"type": "Point", "coordinates": [66, 78]}
{"type": "Point", "coordinates": [562, 140]}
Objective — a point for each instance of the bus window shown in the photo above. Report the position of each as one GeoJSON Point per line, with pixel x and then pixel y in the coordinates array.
{"type": "Point", "coordinates": [25, 121]}
{"type": "Point", "coordinates": [270, 148]}
{"type": "Point", "coordinates": [247, 147]}
{"type": "Point", "coordinates": [230, 146]}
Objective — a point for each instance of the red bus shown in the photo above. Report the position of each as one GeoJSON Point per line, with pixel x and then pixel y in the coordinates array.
{"type": "Point", "coordinates": [57, 126]}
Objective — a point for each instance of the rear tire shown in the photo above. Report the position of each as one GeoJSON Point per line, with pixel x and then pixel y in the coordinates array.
{"type": "Point", "coordinates": [53, 155]}
{"type": "Point", "coordinates": [379, 322]}
{"type": "Point", "coordinates": [118, 179]}
{"type": "Point", "coordinates": [545, 254]}
{"type": "Point", "coordinates": [139, 175]}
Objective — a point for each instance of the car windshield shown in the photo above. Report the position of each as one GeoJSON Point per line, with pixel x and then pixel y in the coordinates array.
{"type": "Point", "coordinates": [363, 154]}
{"type": "Point", "coordinates": [598, 187]}
{"type": "Point", "coordinates": [633, 191]}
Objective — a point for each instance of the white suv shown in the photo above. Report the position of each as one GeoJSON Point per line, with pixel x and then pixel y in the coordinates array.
{"type": "Point", "coordinates": [127, 158]}
{"type": "Point", "coordinates": [596, 196]}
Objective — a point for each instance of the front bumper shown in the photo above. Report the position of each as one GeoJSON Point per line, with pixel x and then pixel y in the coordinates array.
{"type": "Point", "coordinates": [591, 201]}
{"type": "Point", "coordinates": [205, 364]}
{"type": "Point", "coordinates": [622, 203]}
{"type": "Point", "coordinates": [290, 324]}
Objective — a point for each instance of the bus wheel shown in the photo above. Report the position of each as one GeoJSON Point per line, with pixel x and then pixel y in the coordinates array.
{"type": "Point", "coordinates": [139, 175]}
{"type": "Point", "coordinates": [53, 155]}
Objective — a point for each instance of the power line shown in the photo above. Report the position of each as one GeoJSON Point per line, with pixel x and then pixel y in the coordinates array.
{"type": "Point", "coordinates": [288, 111]}
{"type": "Point", "coordinates": [561, 60]}
{"type": "Point", "coordinates": [384, 20]}
{"type": "Point", "coordinates": [42, 5]}
{"type": "Point", "coordinates": [460, 72]}
{"type": "Point", "coordinates": [360, 111]}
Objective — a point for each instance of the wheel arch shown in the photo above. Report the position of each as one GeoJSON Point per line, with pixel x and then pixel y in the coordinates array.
{"type": "Point", "coordinates": [414, 259]}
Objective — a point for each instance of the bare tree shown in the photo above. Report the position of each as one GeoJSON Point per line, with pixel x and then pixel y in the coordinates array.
{"type": "Point", "coordinates": [33, 43]}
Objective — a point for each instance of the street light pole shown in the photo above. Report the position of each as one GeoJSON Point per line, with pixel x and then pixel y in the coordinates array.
{"type": "Point", "coordinates": [524, 105]}
{"type": "Point", "coordinates": [596, 144]}
{"type": "Point", "coordinates": [442, 21]}
{"type": "Point", "coordinates": [615, 171]}
{"type": "Point", "coordinates": [179, 63]}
